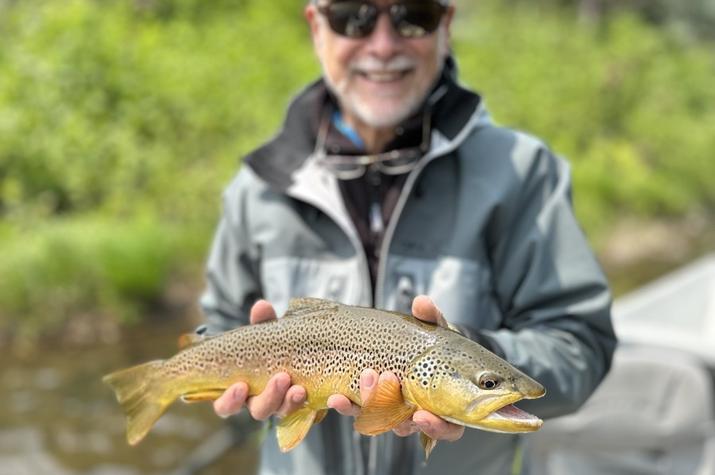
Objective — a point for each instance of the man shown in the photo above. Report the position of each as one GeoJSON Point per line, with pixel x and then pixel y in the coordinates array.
{"type": "Point", "coordinates": [388, 180]}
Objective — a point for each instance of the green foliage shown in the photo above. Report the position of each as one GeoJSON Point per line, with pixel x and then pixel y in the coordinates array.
{"type": "Point", "coordinates": [631, 108]}
{"type": "Point", "coordinates": [120, 104]}
{"type": "Point", "coordinates": [68, 267]}
{"type": "Point", "coordinates": [121, 121]}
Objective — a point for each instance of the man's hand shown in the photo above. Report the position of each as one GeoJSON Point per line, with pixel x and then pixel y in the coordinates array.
{"type": "Point", "coordinates": [279, 397]}
{"type": "Point", "coordinates": [435, 427]}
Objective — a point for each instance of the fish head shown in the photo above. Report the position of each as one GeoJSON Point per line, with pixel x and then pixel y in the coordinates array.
{"type": "Point", "coordinates": [464, 383]}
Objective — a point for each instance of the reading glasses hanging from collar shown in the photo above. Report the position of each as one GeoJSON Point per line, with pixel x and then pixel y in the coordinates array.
{"type": "Point", "coordinates": [392, 162]}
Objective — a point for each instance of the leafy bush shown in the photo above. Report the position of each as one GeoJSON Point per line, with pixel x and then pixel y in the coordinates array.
{"type": "Point", "coordinates": [630, 107]}
{"type": "Point", "coordinates": [83, 265]}
{"type": "Point", "coordinates": [106, 106]}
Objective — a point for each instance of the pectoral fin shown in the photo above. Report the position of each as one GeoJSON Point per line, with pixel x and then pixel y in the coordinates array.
{"type": "Point", "coordinates": [385, 409]}
{"type": "Point", "coordinates": [294, 427]}
{"type": "Point", "coordinates": [428, 443]}
{"type": "Point", "coordinates": [201, 396]}
{"type": "Point", "coordinates": [320, 415]}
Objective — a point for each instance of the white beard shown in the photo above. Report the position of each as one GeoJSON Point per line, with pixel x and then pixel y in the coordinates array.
{"type": "Point", "coordinates": [376, 113]}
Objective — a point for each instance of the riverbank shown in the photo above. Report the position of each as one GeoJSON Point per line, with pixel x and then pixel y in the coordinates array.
{"type": "Point", "coordinates": [636, 251]}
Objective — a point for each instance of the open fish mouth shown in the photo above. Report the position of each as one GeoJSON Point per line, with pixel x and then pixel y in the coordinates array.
{"type": "Point", "coordinates": [507, 419]}
{"type": "Point", "coordinates": [510, 419]}
{"type": "Point", "coordinates": [511, 413]}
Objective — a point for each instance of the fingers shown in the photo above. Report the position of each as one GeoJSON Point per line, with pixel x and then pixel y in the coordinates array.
{"type": "Point", "coordinates": [368, 382]}
{"type": "Point", "coordinates": [270, 400]}
{"type": "Point", "coordinates": [406, 428]}
{"type": "Point", "coordinates": [436, 427]}
{"type": "Point", "coordinates": [343, 405]}
{"type": "Point", "coordinates": [278, 397]}
{"type": "Point", "coordinates": [232, 400]}
{"type": "Point", "coordinates": [424, 308]}
{"type": "Point", "coordinates": [294, 399]}
{"type": "Point", "coordinates": [262, 311]}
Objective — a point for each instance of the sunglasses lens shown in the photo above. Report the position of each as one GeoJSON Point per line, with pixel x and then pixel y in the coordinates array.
{"type": "Point", "coordinates": [353, 19]}
{"type": "Point", "coordinates": [357, 19]}
{"type": "Point", "coordinates": [414, 19]}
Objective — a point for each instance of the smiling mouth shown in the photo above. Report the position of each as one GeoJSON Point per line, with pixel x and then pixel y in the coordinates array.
{"type": "Point", "coordinates": [384, 76]}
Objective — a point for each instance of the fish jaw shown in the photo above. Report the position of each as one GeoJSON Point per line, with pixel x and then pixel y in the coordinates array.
{"type": "Point", "coordinates": [458, 400]}
{"type": "Point", "coordinates": [500, 415]}
{"type": "Point", "coordinates": [508, 419]}
{"type": "Point", "coordinates": [449, 380]}
{"type": "Point", "coordinates": [484, 405]}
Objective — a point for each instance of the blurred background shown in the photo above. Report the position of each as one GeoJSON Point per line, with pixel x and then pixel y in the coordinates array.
{"type": "Point", "coordinates": [122, 120]}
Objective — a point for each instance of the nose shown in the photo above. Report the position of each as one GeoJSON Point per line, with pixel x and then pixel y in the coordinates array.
{"type": "Point", "coordinates": [384, 42]}
{"type": "Point", "coordinates": [532, 390]}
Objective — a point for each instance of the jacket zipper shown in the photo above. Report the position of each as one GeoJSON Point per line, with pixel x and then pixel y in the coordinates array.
{"type": "Point", "coordinates": [470, 127]}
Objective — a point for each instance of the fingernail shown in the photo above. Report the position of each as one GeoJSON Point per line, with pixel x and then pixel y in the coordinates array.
{"type": "Point", "coordinates": [367, 380]}
{"type": "Point", "coordinates": [221, 412]}
{"type": "Point", "coordinates": [236, 392]}
{"type": "Point", "coordinates": [298, 397]}
{"type": "Point", "coordinates": [421, 423]}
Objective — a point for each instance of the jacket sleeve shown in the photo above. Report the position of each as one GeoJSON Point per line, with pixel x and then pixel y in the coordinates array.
{"type": "Point", "coordinates": [554, 298]}
{"type": "Point", "coordinates": [232, 270]}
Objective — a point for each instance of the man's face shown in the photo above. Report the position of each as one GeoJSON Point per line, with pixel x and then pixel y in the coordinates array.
{"type": "Point", "coordinates": [382, 79]}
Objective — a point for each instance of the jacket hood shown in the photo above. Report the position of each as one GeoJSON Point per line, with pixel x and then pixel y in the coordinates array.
{"type": "Point", "coordinates": [278, 159]}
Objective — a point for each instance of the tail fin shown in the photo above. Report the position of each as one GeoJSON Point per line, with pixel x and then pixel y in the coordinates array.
{"type": "Point", "coordinates": [144, 394]}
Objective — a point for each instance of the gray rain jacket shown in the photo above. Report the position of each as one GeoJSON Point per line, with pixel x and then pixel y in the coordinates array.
{"type": "Point", "coordinates": [484, 226]}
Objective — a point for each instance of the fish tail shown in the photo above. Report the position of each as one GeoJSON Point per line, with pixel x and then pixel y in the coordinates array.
{"type": "Point", "coordinates": [144, 393]}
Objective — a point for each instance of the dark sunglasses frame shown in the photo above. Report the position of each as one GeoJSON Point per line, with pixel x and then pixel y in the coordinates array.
{"type": "Point", "coordinates": [361, 21]}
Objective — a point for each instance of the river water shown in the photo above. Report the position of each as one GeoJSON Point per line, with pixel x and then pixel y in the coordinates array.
{"type": "Point", "coordinates": [57, 418]}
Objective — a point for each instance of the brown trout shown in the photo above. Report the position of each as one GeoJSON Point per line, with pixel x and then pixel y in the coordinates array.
{"type": "Point", "coordinates": [324, 346]}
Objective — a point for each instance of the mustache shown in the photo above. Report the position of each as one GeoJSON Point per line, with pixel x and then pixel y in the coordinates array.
{"type": "Point", "coordinates": [372, 64]}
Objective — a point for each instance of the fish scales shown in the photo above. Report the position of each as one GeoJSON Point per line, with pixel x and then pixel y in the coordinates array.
{"type": "Point", "coordinates": [325, 346]}
{"type": "Point", "coordinates": [325, 351]}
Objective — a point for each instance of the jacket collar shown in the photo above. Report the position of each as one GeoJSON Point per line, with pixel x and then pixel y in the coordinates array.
{"type": "Point", "coordinates": [279, 160]}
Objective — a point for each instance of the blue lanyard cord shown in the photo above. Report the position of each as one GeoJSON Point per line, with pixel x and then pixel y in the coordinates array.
{"type": "Point", "coordinates": [346, 130]}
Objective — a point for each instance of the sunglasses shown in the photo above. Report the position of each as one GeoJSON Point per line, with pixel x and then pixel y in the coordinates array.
{"type": "Point", "coordinates": [357, 19]}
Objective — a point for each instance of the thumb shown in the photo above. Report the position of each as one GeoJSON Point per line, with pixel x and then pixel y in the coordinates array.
{"type": "Point", "coordinates": [262, 311]}
{"type": "Point", "coordinates": [424, 309]}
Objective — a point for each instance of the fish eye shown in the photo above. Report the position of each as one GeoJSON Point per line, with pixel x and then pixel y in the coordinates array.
{"type": "Point", "coordinates": [488, 381]}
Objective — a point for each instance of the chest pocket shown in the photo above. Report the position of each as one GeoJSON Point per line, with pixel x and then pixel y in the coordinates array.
{"type": "Point", "coordinates": [283, 278]}
{"type": "Point", "coordinates": [461, 288]}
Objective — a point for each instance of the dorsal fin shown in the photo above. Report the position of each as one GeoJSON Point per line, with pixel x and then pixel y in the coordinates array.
{"type": "Point", "coordinates": [194, 338]}
{"type": "Point", "coordinates": [300, 307]}
{"type": "Point", "coordinates": [189, 339]}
